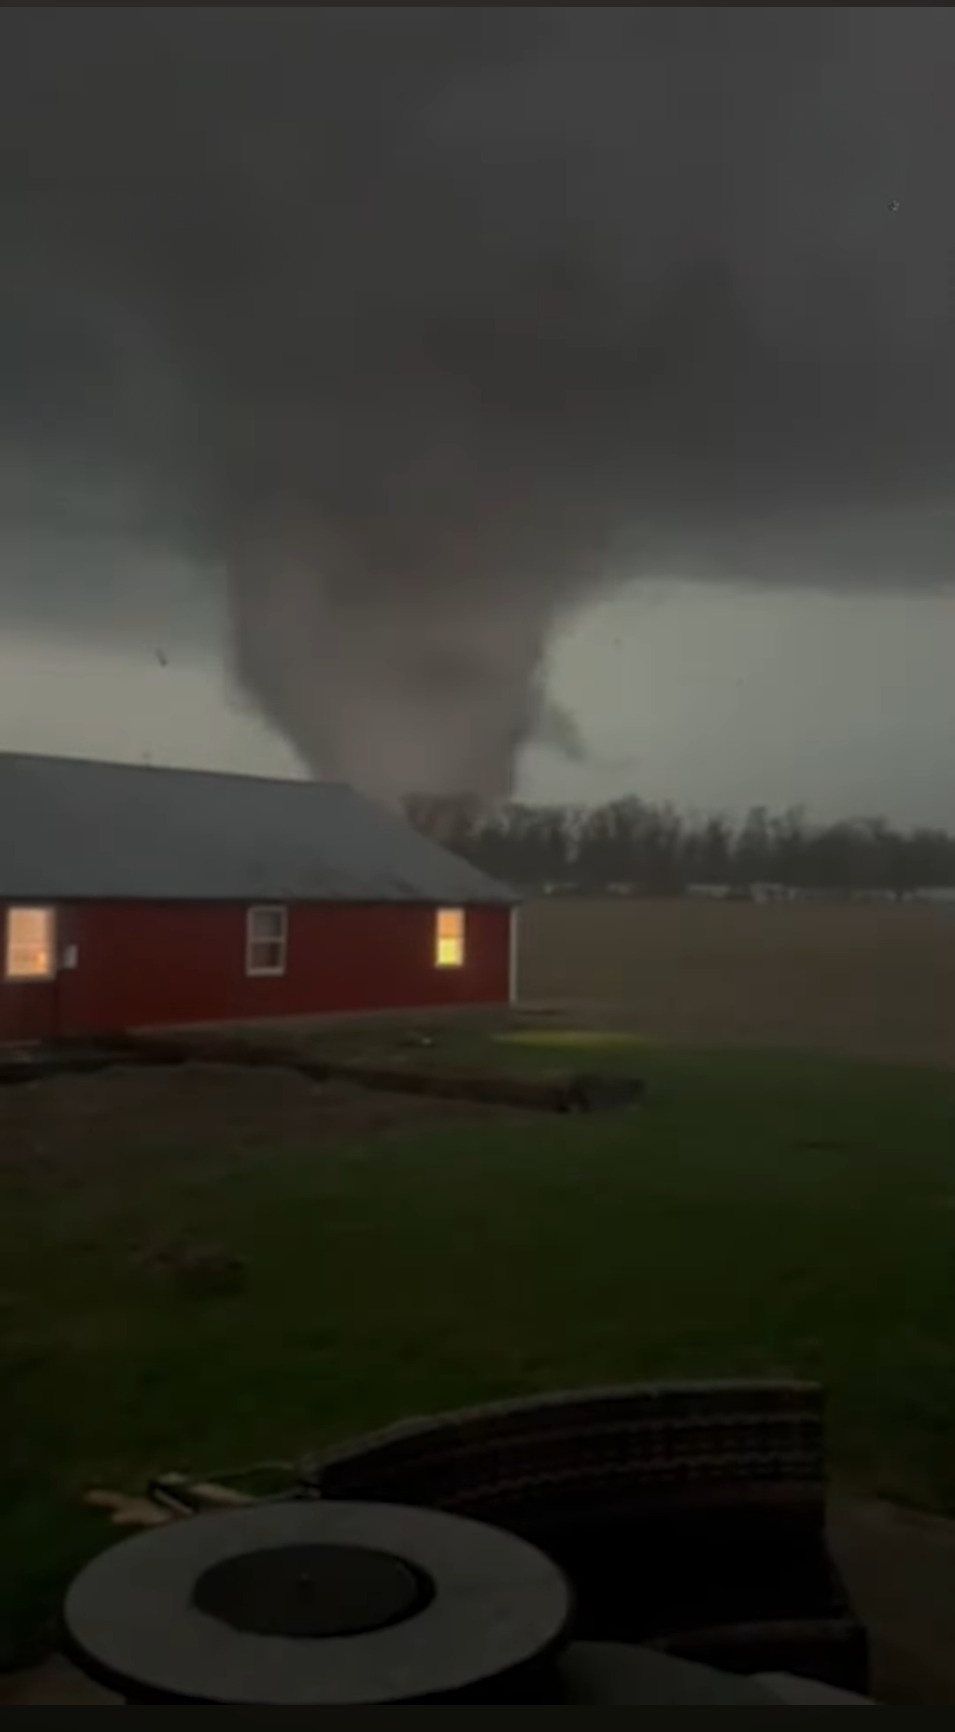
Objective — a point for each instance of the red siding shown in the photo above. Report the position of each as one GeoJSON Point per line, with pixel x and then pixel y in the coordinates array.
{"type": "Point", "coordinates": [27, 1009]}
{"type": "Point", "coordinates": [142, 963]}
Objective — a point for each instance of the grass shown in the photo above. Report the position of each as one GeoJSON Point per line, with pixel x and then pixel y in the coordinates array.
{"type": "Point", "coordinates": [759, 1214]}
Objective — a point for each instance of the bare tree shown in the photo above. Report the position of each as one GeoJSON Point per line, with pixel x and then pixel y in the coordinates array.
{"type": "Point", "coordinates": [653, 850]}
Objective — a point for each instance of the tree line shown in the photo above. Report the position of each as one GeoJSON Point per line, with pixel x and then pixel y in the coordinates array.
{"type": "Point", "coordinates": [653, 849]}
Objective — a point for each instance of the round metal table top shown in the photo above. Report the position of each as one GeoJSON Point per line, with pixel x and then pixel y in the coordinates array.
{"type": "Point", "coordinates": [328, 1603]}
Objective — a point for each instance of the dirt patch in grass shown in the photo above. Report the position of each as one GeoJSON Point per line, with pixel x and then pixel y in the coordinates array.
{"type": "Point", "coordinates": [76, 1129]}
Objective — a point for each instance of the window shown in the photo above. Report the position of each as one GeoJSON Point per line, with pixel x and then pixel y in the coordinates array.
{"type": "Point", "coordinates": [266, 940]}
{"type": "Point", "coordinates": [449, 938]}
{"type": "Point", "coordinates": [30, 949]}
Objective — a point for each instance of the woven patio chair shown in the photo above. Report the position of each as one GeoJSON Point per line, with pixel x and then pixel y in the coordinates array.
{"type": "Point", "coordinates": [690, 1516]}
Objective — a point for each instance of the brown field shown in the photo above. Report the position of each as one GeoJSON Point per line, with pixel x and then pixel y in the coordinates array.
{"type": "Point", "coordinates": [865, 981]}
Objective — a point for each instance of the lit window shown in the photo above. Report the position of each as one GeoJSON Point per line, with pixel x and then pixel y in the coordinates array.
{"type": "Point", "coordinates": [30, 951]}
{"type": "Point", "coordinates": [266, 940]}
{"type": "Point", "coordinates": [449, 938]}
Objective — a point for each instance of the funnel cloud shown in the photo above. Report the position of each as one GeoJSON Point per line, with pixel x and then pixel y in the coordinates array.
{"type": "Point", "coordinates": [428, 324]}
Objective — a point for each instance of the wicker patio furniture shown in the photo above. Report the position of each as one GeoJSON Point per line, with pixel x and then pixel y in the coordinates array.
{"type": "Point", "coordinates": [690, 1516]}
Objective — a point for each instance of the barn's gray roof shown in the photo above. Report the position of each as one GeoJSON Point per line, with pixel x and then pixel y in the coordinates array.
{"type": "Point", "coordinates": [74, 829]}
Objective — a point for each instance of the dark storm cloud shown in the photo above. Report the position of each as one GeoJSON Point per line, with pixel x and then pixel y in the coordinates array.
{"type": "Point", "coordinates": [429, 322]}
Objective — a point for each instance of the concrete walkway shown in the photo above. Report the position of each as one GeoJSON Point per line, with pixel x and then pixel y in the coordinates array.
{"type": "Point", "coordinates": [900, 1571]}
{"type": "Point", "coordinates": [899, 1568]}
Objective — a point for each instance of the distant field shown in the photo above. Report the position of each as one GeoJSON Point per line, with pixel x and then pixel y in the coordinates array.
{"type": "Point", "coordinates": [871, 982]}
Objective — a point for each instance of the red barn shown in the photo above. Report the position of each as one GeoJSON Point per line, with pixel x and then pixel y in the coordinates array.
{"type": "Point", "coordinates": [132, 896]}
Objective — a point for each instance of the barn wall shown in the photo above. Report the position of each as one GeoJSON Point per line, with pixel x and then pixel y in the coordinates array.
{"type": "Point", "coordinates": [139, 964]}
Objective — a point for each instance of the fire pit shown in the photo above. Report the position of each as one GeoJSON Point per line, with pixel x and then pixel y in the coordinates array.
{"type": "Point", "coordinates": [324, 1604]}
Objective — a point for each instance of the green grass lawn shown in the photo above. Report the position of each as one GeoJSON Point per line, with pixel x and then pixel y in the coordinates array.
{"type": "Point", "coordinates": [758, 1214]}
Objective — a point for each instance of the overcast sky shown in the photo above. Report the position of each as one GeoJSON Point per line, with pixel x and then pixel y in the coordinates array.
{"type": "Point", "coordinates": [696, 693]}
{"type": "Point", "coordinates": [453, 384]}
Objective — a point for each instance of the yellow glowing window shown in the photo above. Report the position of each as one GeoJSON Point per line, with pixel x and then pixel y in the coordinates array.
{"type": "Point", "coordinates": [449, 938]}
{"type": "Point", "coordinates": [30, 948]}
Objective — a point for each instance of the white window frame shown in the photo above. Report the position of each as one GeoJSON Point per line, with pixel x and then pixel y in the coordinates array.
{"type": "Point", "coordinates": [253, 939]}
{"type": "Point", "coordinates": [458, 961]}
{"type": "Point", "coordinates": [49, 913]}
{"type": "Point", "coordinates": [513, 939]}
